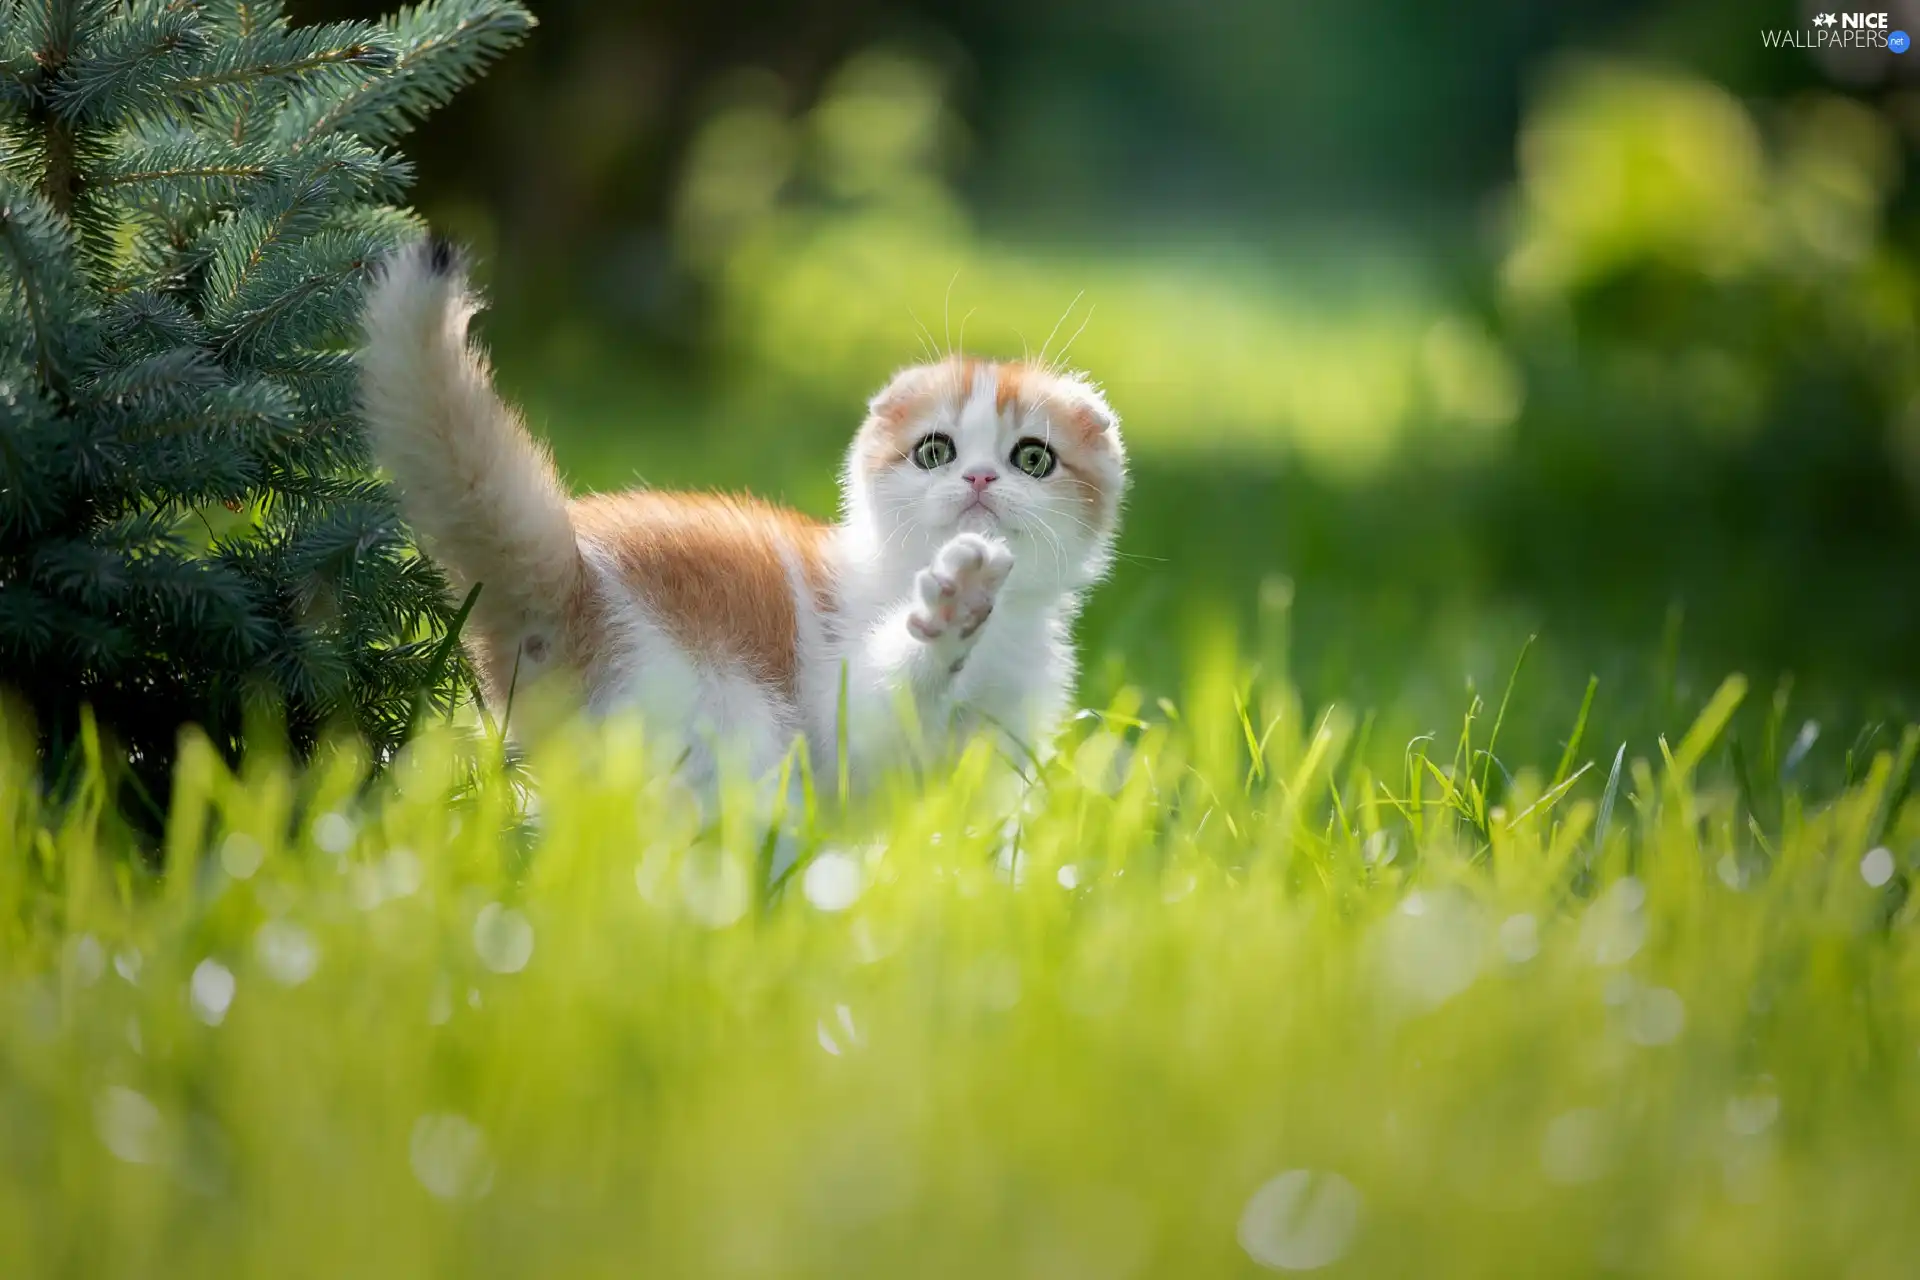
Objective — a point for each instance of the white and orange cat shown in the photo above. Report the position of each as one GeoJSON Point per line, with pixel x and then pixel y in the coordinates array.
{"type": "Point", "coordinates": [979, 500]}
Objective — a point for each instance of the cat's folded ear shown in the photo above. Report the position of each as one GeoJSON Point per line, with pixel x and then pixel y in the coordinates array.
{"type": "Point", "coordinates": [1085, 407]}
{"type": "Point", "coordinates": [907, 389]}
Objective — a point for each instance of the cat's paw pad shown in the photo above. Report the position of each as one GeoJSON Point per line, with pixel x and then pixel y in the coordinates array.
{"type": "Point", "coordinates": [954, 595]}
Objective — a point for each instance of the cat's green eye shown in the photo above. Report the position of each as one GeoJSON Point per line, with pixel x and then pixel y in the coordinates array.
{"type": "Point", "coordinates": [933, 451]}
{"type": "Point", "coordinates": [1034, 458]}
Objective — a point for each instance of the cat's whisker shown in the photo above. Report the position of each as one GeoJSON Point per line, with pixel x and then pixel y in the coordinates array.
{"type": "Point", "coordinates": [946, 312]}
{"type": "Point", "coordinates": [1051, 538]}
{"type": "Point", "coordinates": [1059, 361]}
{"type": "Point", "coordinates": [1068, 515]}
{"type": "Point", "coordinates": [888, 544]}
{"type": "Point", "coordinates": [927, 344]}
{"type": "Point", "coordinates": [1046, 401]}
{"type": "Point", "coordinates": [1052, 543]}
{"type": "Point", "coordinates": [902, 531]}
{"type": "Point", "coordinates": [1055, 331]}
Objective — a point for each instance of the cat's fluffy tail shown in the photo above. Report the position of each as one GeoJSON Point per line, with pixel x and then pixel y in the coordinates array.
{"type": "Point", "coordinates": [479, 490]}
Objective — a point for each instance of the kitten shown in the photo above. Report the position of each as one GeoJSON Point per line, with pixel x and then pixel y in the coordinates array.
{"type": "Point", "coordinates": [979, 499]}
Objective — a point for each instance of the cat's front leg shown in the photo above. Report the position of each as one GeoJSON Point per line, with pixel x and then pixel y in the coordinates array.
{"type": "Point", "coordinates": [900, 678]}
{"type": "Point", "coordinates": [954, 596]}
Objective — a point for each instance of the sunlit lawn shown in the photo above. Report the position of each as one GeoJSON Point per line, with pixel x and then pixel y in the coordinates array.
{"type": "Point", "coordinates": [1259, 988]}
{"type": "Point", "coordinates": [1353, 930]}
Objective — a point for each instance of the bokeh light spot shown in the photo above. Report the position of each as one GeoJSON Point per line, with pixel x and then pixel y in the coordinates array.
{"type": "Point", "coordinates": [503, 937]}
{"type": "Point", "coordinates": [1300, 1221]}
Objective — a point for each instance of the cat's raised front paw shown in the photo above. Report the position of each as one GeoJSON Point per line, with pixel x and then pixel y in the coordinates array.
{"type": "Point", "coordinates": [953, 596]}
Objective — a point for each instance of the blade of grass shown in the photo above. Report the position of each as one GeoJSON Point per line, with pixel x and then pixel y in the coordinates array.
{"type": "Point", "coordinates": [1416, 784]}
{"type": "Point", "coordinates": [1605, 818]}
{"type": "Point", "coordinates": [1257, 769]}
{"type": "Point", "coordinates": [1707, 726]}
{"type": "Point", "coordinates": [1551, 798]}
{"type": "Point", "coordinates": [1500, 717]}
{"type": "Point", "coordinates": [1742, 781]}
{"type": "Point", "coordinates": [1579, 731]}
{"type": "Point", "coordinates": [1897, 786]}
{"type": "Point", "coordinates": [442, 657]}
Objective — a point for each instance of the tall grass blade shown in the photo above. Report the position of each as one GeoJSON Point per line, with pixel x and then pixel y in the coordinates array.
{"type": "Point", "coordinates": [1604, 820]}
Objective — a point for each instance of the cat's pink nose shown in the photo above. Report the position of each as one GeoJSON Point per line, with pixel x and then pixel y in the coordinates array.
{"type": "Point", "coordinates": [980, 479]}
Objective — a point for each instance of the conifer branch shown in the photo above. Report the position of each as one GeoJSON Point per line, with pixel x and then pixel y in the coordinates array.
{"type": "Point", "coordinates": [443, 45]}
{"type": "Point", "coordinates": [36, 247]}
{"type": "Point", "coordinates": [147, 379]}
{"type": "Point", "coordinates": [271, 56]}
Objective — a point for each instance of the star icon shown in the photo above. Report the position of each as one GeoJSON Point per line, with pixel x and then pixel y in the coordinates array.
{"type": "Point", "coordinates": [1825, 20]}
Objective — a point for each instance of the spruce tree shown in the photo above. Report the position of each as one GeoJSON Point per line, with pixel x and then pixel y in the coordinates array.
{"type": "Point", "coordinates": [192, 195]}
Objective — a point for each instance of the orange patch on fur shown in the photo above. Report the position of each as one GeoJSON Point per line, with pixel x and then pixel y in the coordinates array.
{"type": "Point", "coordinates": [714, 569]}
{"type": "Point", "coordinates": [1017, 383]}
{"type": "Point", "coordinates": [1008, 380]}
{"type": "Point", "coordinates": [886, 439]}
{"type": "Point", "coordinates": [898, 405]}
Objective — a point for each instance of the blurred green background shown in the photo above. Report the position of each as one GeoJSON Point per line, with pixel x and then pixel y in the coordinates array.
{"type": "Point", "coordinates": [1591, 318]}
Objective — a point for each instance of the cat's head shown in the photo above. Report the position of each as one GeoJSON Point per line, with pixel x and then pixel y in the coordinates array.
{"type": "Point", "coordinates": [1012, 450]}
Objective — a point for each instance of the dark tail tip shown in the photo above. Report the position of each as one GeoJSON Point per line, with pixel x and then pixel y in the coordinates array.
{"type": "Point", "coordinates": [443, 259]}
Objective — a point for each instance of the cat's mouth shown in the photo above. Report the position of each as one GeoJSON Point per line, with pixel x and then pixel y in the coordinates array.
{"type": "Point", "coordinates": [978, 512]}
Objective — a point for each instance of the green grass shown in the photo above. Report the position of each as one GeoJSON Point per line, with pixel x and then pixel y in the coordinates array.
{"type": "Point", "coordinates": [1267, 986]}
